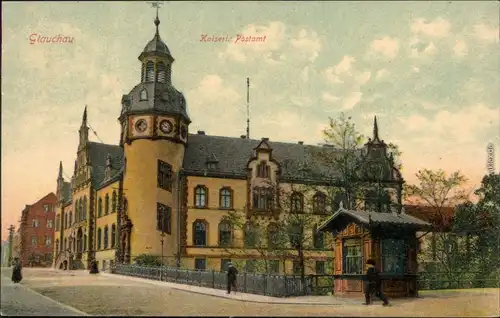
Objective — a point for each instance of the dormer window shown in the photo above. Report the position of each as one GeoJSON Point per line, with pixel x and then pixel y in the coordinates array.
{"type": "Point", "coordinates": [263, 170]}
{"type": "Point", "coordinates": [212, 161]}
{"type": "Point", "coordinates": [212, 165]}
{"type": "Point", "coordinates": [143, 95]}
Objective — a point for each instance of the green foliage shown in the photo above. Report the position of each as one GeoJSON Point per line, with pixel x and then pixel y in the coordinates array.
{"type": "Point", "coordinates": [148, 260]}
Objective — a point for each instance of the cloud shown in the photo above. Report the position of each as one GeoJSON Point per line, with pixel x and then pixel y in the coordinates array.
{"type": "Point", "coordinates": [305, 74]}
{"type": "Point", "coordinates": [381, 73]}
{"type": "Point", "coordinates": [345, 65]}
{"type": "Point", "coordinates": [351, 100]}
{"type": "Point", "coordinates": [364, 77]}
{"type": "Point", "coordinates": [308, 43]}
{"type": "Point", "coordinates": [460, 48]}
{"type": "Point", "coordinates": [486, 33]}
{"type": "Point", "coordinates": [329, 98]}
{"type": "Point", "coordinates": [386, 46]}
{"type": "Point", "coordinates": [437, 28]}
{"type": "Point", "coordinates": [301, 101]}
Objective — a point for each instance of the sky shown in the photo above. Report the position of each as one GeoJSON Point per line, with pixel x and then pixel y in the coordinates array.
{"type": "Point", "coordinates": [428, 70]}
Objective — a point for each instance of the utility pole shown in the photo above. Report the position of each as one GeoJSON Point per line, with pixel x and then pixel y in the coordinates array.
{"type": "Point", "coordinates": [11, 229]}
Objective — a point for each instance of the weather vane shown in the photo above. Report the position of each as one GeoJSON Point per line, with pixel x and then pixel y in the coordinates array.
{"type": "Point", "coordinates": [156, 4]}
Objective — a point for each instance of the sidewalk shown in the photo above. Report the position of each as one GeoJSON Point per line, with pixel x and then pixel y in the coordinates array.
{"type": "Point", "coordinates": [305, 300]}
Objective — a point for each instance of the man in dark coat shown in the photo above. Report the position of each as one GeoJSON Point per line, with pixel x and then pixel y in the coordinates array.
{"type": "Point", "coordinates": [231, 277]}
{"type": "Point", "coordinates": [93, 268]}
{"type": "Point", "coordinates": [373, 284]}
{"type": "Point", "coordinates": [17, 275]}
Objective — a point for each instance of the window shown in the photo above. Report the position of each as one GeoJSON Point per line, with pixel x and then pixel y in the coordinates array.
{"type": "Point", "coordinates": [163, 218]}
{"type": "Point", "coordinates": [223, 264]}
{"type": "Point", "coordinates": [35, 223]}
{"type": "Point", "coordinates": [57, 246]}
{"type": "Point", "coordinates": [226, 198]}
{"type": "Point", "coordinates": [352, 259]}
{"type": "Point", "coordinates": [224, 234]}
{"type": "Point", "coordinates": [70, 221]}
{"type": "Point", "coordinates": [250, 266]}
{"type": "Point", "coordinates": [99, 208]}
{"type": "Point", "coordinates": [319, 205]}
{"type": "Point", "coordinates": [263, 170]}
{"type": "Point", "coordinates": [211, 165]}
{"type": "Point", "coordinates": [48, 257]}
{"type": "Point", "coordinates": [84, 209]}
{"type": "Point", "coordinates": [320, 267]}
{"type": "Point", "coordinates": [106, 204]}
{"type": "Point", "coordinates": [297, 268]}
{"type": "Point", "coordinates": [319, 238]}
{"type": "Point", "coordinates": [262, 199]}
{"type": "Point", "coordinates": [65, 245]}
{"type": "Point", "coordinates": [65, 220]}
{"type": "Point", "coordinates": [76, 209]}
{"type": "Point", "coordinates": [393, 256]}
{"type": "Point", "coordinates": [274, 266]}
{"type": "Point", "coordinates": [113, 202]}
{"type": "Point", "coordinates": [106, 237]}
{"type": "Point", "coordinates": [297, 203]}
{"type": "Point", "coordinates": [272, 235]}
{"type": "Point", "coordinates": [250, 238]}
{"type": "Point", "coordinates": [200, 197]}
{"type": "Point", "coordinates": [48, 241]}
{"type": "Point", "coordinates": [47, 208]}
{"type": "Point", "coordinates": [84, 242]}
{"type": "Point", "coordinates": [200, 233]}
{"type": "Point", "coordinates": [164, 175]}
{"type": "Point", "coordinates": [113, 235]}
{"type": "Point", "coordinates": [80, 211]}
{"type": "Point", "coordinates": [99, 238]}
{"type": "Point", "coordinates": [34, 241]}
{"type": "Point", "coordinates": [161, 76]}
{"type": "Point", "coordinates": [50, 224]}
{"type": "Point", "coordinates": [143, 95]}
{"type": "Point", "coordinates": [296, 236]}
{"type": "Point", "coordinates": [150, 71]}
{"type": "Point", "coordinates": [58, 222]}
{"type": "Point", "coordinates": [200, 264]}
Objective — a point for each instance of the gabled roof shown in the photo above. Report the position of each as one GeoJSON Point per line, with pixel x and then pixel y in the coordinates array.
{"type": "Point", "coordinates": [97, 156]}
{"type": "Point", "coordinates": [343, 216]}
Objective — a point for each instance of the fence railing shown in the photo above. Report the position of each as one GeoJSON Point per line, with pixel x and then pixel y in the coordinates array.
{"type": "Point", "coordinates": [260, 284]}
{"type": "Point", "coordinates": [459, 280]}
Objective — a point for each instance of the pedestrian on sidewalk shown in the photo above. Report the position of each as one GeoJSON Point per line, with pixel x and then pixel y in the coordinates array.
{"type": "Point", "coordinates": [17, 275]}
{"type": "Point", "coordinates": [373, 284]}
{"type": "Point", "coordinates": [232, 273]}
{"type": "Point", "coordinates": [94, 268]}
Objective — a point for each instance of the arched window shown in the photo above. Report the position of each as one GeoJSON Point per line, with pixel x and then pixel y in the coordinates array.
{"type": "Point", "coordinates": [200, 233]}
{"type": "Point", "coordinates": [226, 198]}
{"type": "Point", "coordinates": [80, 210]}
{"type": "Point", "coordinates": [319, 203]}
{"type": "Point", "coordinates": [273, 235]}
{"type": "Point", "coordinates": [84, 242]}
{"type": "Point", "coordinates": [296, 236]}
{"type": "Point", "coordinates": [225, 234]}
{"type": "Point", "coordinates": [106, 237]}
{"type": "Point", "coordinates": [76, 208]}
{"type": "Point", "coordinates": [297, 203]}
{"type": "Point", "coordinates": [99, 208]}
{"type": "Point", "coordinates": [70, 218]}
{"type": "Point", "coordinates": [262, 199]}
{"type": "Point", "coordinates": [106, 204]}
{"type": "Point", "coordinates": [113, 235]}
{"type": "Point", "coordinates": [263, 170]}
{"type": "Point", "coordinates": [143, 95]}
{"type": "Point", "coordinates": [84, 211]}
{"type": "Point", "coordinates": [318, 238]}
{"type": "Point", "coordinates": [250, 235]}
{"type": "Point", "coordinates": [200, 197]}
{"type": "Point", "coordinates": [161, 73]}
{"type": "Point", "coordinates": [99, 238]}
{"type": "Point", "coordinates": [150, 71]}
{"type": "Point", "coordinates": [113, 201]}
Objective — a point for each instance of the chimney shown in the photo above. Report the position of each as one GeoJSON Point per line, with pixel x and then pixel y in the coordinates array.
{"type": "Point", "coordinates": [243, 137]}
{"type": "Point", "coordinates": [201, 132]}
{"type": "Point", "coordinates": [301, 142]}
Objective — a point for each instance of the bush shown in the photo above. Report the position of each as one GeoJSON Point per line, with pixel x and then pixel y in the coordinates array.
{"type": "Point", "coordinates": [147, 260]}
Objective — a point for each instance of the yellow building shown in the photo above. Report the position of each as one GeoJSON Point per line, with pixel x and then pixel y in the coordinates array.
{"type": "Point", "coordinates": [164, 191]}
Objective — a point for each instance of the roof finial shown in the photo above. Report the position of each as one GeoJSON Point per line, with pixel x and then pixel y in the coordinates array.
{"type": "Point", "coordinates": [375, 129]}
{"type": "Point", "coordinates": [157, 4]}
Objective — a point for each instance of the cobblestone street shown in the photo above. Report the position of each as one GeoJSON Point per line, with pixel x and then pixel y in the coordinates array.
{"type": "Point", "coordinates": [106, 294]}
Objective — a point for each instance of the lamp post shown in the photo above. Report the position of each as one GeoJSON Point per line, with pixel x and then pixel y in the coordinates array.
{"type": "Point", "coordinates": [162, 237]}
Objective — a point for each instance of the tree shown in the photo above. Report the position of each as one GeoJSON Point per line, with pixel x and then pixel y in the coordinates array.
{"type": "Point", "coordinates": [441, 193]}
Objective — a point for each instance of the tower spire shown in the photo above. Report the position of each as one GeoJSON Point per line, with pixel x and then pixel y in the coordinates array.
{"type": "Point", "coordinates": [157, 4]}
{"type": "Point", "coordinates": [375, 129]}
{"type": "Point", "coordinates": [60, 170]}
{"type": "Point", "coordinates": [84, 117]}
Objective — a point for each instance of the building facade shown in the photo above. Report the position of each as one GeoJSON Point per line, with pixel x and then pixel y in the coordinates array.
{"type": "Point", "coordinates": [34, 242]}
{"type": "Point", "coordinates": [166, 192]}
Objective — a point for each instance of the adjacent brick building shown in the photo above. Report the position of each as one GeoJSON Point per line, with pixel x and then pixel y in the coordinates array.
{"type": "Point", "coordinates": [37, 232]}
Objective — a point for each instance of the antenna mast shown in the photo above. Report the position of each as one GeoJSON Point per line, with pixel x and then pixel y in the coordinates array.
{"type": "Point", "coordinates": [248, 108]}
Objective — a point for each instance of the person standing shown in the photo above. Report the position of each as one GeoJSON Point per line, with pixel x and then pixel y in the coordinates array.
{"type": "Point", "coordinates": [17, 275]}
{"type": "Point", "coordinates": [232, 273]}
{"type": "Point", "coordinates": [373, 284]}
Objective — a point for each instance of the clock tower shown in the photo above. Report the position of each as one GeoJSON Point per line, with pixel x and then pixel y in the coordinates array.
{"type": "Point", "coordinates": [154, 131]}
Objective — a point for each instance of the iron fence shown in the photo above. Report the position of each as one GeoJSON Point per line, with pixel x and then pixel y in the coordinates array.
{"type": "Point", "coordinates": [457, 280]}
{"type": "Point", "coordinates": [260, 284]}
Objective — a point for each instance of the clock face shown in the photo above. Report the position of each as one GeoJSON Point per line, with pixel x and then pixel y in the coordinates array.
{"type": "Point", "coordinates": [166, 126]}
{"type": "Point", "coordinates": [141, 125]}
{"type": "Point", "coordinates": [183, 132]}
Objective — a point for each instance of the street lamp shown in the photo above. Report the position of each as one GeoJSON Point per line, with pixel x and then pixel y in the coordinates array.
{"type": "Point", "coordinates": [162, 240]}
